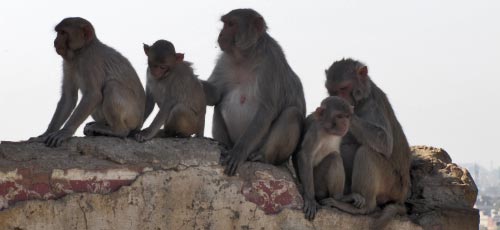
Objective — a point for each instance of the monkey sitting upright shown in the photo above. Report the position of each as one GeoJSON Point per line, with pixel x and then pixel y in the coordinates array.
{"type": "Point", "coordinates": [375, 151]}
{"type": "Point", "coordinates": [111, 90]}
{"type": "Point", "coordinates": [179, 94]}
{"type": "Point", "coordinates": [319, 164]}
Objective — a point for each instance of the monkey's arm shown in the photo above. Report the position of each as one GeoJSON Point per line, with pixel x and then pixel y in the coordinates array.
{"type": "Point", "coordinates": [212, 94]}
{"type": "Point", "coordinates": [160, 119]}
{"type": "Point", "coordinates": [90, 99]}
{"type": "Point", "coordinates": [250, 139]}
{"type": "Point", "coordinates": [305, 168]}
{"type": "Point", "coordinates": [65, 106]}
{"type": "Point", "coordinates": [150, 104]}
{"type": "Point", "coordinates": [373, 129]}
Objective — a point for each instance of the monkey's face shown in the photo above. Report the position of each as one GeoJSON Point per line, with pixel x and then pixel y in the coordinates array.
{"type": "Point", "coordinates": [336, 122]}
{"type": "Point", "coordinates": [227, 36]}
{"type": "Point", "coordinates": [161, 68]}
{"type": "Point", "coordinates": [241, 31]}
{"type": "Point", "coordinates": [343, 89]}
{"type": "Point", "coordinates": [69, 40]}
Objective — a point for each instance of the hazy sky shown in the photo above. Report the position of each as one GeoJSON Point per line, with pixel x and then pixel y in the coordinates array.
{"type": "Point", "coordinates": [438, 61]}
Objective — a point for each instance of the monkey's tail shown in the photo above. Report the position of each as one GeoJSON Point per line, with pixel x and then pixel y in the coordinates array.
{"type": "Point", "coordinates": [387, 215]}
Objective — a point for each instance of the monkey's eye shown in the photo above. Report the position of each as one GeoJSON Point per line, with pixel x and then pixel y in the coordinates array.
{"type": "Point", "coordinates": [230, 24]}
{"type": "Point", "coordinates": [342, 116]}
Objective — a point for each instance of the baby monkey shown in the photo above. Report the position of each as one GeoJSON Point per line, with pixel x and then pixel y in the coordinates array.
{"type": "Point", "coordinates": [319, 164]}
{"type": "Point", "coordinates": [172, 84]}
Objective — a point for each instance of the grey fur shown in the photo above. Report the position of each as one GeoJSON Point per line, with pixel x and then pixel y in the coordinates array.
{"type": "Point", "coordinates": [111, 90]}
{"type": "Point", "coordinates": [376, 152]}
{"type": "Point", "coordinates": [269, 89]}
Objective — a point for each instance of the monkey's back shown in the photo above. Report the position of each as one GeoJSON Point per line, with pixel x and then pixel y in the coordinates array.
{"type": "Point", "coordinates": [181, 86]}
{"type": "Point", "coordinates": [401, 154]}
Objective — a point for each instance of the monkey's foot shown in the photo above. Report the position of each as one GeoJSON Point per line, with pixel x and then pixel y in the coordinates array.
{"type": "Point", "coordinates": [87, 130]}
{"type": "Point", "coordinates": [255, 156]}
{"type": "Point", "coordinates": [355, 199]}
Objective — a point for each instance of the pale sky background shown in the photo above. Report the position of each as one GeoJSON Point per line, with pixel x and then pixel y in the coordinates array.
{"type": "Point", "coordinates": [438, 61]}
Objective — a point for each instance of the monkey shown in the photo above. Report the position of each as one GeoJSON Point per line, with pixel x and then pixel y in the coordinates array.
{"type": "Point", "coordinates": [375, 148]}
{"type": "Point", "coordinates": [319, 164]}
{"type": "Point", "coordinates": [111, 90]}
{"type": "Point", "coordinates": [172, 84]}
{"type": "Point", "coordinates": [259, 101]}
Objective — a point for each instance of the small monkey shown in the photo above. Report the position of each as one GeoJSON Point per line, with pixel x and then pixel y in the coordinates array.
{"type": "Point", "coordinates": [375, 151]}
{"type": "Point", "coordinates": [172, 85]}
{"type": "Point", "coordinates": [259, 100]}
{"type": "Point", "coordinates": [111, 90]}
{"type": "Point", "coordinates": [319, 164]}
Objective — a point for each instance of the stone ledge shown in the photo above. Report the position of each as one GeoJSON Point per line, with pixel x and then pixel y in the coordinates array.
{"type": "Point", "coordinates": [111, 183]}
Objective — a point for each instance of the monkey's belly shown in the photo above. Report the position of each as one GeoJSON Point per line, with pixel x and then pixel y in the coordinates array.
{"type": "Point", "coordinates": [238, 109]}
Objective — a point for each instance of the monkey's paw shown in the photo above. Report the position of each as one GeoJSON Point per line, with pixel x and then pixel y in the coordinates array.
{"type": "Point", "coordinates": [143, 135]}
{"type": "Point", "coordinates": [233, 162]}
{"type": "Point", "coordinates": [358, 200]}
{"type": "Point", "coordinates": [87, 130]}
{"type": "Point", "coordinates": [39, 139]}
{"type": "Point", "coordinates": [56, 138]}
{"type": "Point", "coordinates": [310, 208]}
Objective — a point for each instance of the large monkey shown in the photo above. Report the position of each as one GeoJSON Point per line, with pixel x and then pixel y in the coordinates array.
{"type": "Point", "coordinates": [172, 84]}
{"type": "Point", "coordinates": [259, 100]}
{"type": "Point", "coordinates": [375, 149]}
{"type": "Point", "coordinates": [111, 90]}
{"type": "Point", "coordinates": [318, 163]}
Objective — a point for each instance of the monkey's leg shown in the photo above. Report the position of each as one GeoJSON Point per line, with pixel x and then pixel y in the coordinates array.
{"type": "Point", "coordinates": [367, 180]}
{"type": "Point", "coordinates": [219, 129]}
{"type": "Point", "coordinates": [282, 138]}
{"type": "Point", "coordinates": [335, 176]}
{"type": "Point", "coordinates": [182, 122]}
{"type": "Point", "coordinates": [348, 152]}
{"type": "Point", "coordinates": [201, 125]}
{"type": "Point", "coordinates": [367, 176]}
{"type": "Point", "coordinates": [119, 109]}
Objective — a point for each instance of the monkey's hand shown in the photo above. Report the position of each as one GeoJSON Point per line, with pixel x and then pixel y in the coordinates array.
{"type": "Point", "coordinates": [144, 135]}
{"type": "Point", "coordinates": [233, 161]}
{"type": "Point", "coordinates": [56, 138]}
{"type": "Point", "coordinates": [39, 139]}
{"type": "Point", "coordinates": [310, 208]}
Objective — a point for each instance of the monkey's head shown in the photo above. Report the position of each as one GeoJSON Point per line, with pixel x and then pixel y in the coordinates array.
{"type": "Point", "coordinates": [348, 79]}
{"type": "Point", "coordinates": [334, 115]}
{"type": "Point", "coordinates": [73, 34]}
{"type": "Point", "coordinates": [162, 58]}
{"type": "Point", "coordinates": [242, 29]}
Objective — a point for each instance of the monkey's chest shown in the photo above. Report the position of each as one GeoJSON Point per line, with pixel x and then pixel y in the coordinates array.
{"type": "Point", "coordinates": [238, 108]}
{"type": "Point", "coordinates": [327, 146]}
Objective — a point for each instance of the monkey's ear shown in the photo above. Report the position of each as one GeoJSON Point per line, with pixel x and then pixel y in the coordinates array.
{"type": "Point", "coordinates": [88, 34]}
{"type": "Point", "coordinates": [363, 71]}
{"type": "Point", "coordinates": [146, 49]}
{"type": "Point", "coordinates": [259, 25]}
{"type": "Point", "coordinates": [319, 112]}
{"type": "Point", "coordinates": [179, 57]}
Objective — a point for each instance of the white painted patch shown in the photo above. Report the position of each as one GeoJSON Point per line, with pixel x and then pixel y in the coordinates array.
{"type": "Point", "coordinates": [10, 176]}
{"type": "Point", "coordinates": [80, 174]}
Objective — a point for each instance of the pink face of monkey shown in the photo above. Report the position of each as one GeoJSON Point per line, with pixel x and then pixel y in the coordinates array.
{"type": "Point", "coordinates": [334, 115]}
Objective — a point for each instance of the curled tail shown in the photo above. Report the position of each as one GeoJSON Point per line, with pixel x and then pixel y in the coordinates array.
{"type": "Point", "coordinates": [387, 215]}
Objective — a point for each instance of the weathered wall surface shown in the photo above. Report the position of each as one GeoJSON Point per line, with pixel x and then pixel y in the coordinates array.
{"type": "Point", "coordinates": [110, 183]}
